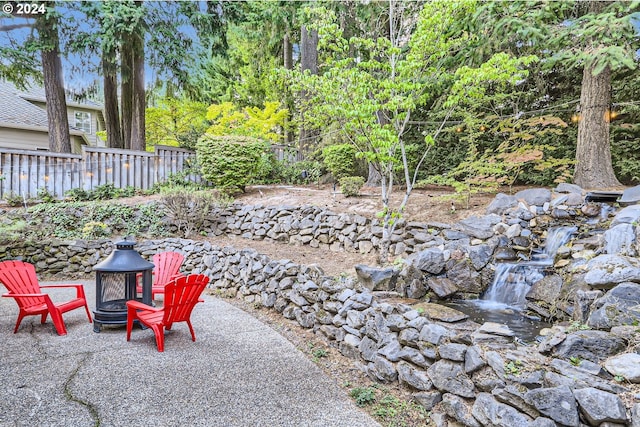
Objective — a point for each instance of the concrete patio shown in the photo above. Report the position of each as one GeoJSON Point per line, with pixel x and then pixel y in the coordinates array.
{"type": "Point", "coordinates": [239, 372]}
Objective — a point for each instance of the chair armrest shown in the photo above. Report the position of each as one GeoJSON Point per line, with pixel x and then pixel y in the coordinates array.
{"type": "Point", "coordinates": [12, 295]}
{"type": "Point", "coordinates": [79, 288]}
{"type": "Point", "coordinates": [137, 305]}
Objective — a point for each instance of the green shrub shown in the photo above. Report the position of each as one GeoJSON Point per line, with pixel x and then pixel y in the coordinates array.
{"type": "Point", "coordinates": [340, 160]}
{"type": "Point", "coordinates": [77, 195]}
{"type": "Point", "coordinates": [351, 185]}
{"type": "Point", "coordinates": [45, 196]}
{"type": "Point", "coordinates": [13, 199]}
{"type": "Point", "coordinates": [104, 192]}
{"type": "Point", "coordinates": [229, 162]}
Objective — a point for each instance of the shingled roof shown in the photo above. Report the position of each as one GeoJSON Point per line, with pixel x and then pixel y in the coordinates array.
{"type": "Point", "coordinates": [17, 110]}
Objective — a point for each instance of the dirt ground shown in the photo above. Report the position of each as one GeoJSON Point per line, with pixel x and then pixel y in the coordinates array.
{"type": "Point", "coordinates": [425, 205]}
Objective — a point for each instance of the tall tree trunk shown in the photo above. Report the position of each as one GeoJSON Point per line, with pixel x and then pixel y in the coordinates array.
{"type": "Point", "coordinates": [138, 141]}
{"type": "Point", "coordinates": [126, 96]}
{"type": "Point", "coordinates": [287, 48]}
{"type": "Point", "coordinates": [111, 111]}
{"type": "Point", "coordinates": [308, 61]}
{"type": "Point", "coordinates": [593, 152]}
{"type": "Point", "coordinates": [594, 168]}
{"type": "Point", "coordinates": [58, 122]}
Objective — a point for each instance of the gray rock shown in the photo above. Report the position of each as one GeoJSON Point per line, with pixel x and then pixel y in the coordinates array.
{"type": "Point", "coordinates": [630, 195]}
{"type": "Point", "coordinates": [598, 406]}
{"type": "Point", "coordinates": [547, 289]}
{"type": "Point", "coordinates": [473, 359]}
{"type": "Point", "coordinates": [578, 377]}
{"type": "Point", "coordinates": [429, 260]}
{"type": "Point", "coordinates": [428, 399]}
{"type": "Point", "coordinates": [590, 345]}
{"type": "Point", "coordinates": [534, 196]}
{"type": "Point", "coordinates": [542, 422]}
{"type": "Point", "coordinates": [620, 240]}
{"type": "Point", "coordinates": [635, 415]}
{"type": "Point", "coordinates": [606, 271]}
{"type": "Point", "coordinates": [383, 370]}
{"type": "Point", "coordinates": [442, 286]}
{"type": "Point", "coordinates": [433, 334]}
{"type": "Point", "coordinates": [513, 396]}
{"type": "Point", "coordinates": [459, 409]}
{"type": "Point", "coordinates": [454, 352]}
{"type": "Point", "coordinates": [496, 329]}
{"type": "Point", "coordinates": [556, 403]}
{"type": "Point", "coordinates": [620, 306]}
{"type": "Point", "coordinates": [450, 377]}
{"type": "Point", "coordinates": [377, 279]}
{"type": "Point", "coordinates": [490, 412]}
{"type": "Point", "coordinates": [391, 351]}
{"type": "Point", "coordinates": [465, 277]}
{"type": "Point", "coordinates": [416, 289]}
{"type": "Point", "coordinates": [480, 255]}
{"type": "Point", "coordinates": [501, 203]}
{"type": "Point", "coordinates": [628, 215]}
{"type": "Point", "coordinates": [368, 349]}
{"type": "Point", "coordinates": [415, 378]}
{"type": "Point", "coordinates": [480, 227]}
{"type": "Point", "coordinates": [414, 356]}
{"type": "Point", "coordinates": [564, 187]}
{"type": "Point", "coordinates": [626, 365]}
{"type": "Point", "coordinates": [504, 253]}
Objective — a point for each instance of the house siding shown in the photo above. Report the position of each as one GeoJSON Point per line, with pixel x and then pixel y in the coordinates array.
{"type": "Point", "coordinates": [23, 139]}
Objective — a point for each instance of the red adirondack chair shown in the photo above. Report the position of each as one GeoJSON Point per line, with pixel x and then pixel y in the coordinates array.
{"type": "Point", "coordinates": [167, 268]}
{"type": "Point", "coordinates": [180, 297]}
{"type": "Point", "coordinates": [22, 283]}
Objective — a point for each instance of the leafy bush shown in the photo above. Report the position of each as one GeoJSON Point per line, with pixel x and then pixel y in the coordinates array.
{"type": "Point", "coordinates": [45, 196]}
{"type": "Point", "coordinates": [351, 185]}
{"type": "Point", "coordinates": [340, 160]}
{"type": "Point", "coordinates": [229, 162]}
{"type": "Point", "coordinates": [77, 195]}
{"type": "Point", "coordinates": [189, 210]}
{"type": "Point", "coordinates": [13, 199]}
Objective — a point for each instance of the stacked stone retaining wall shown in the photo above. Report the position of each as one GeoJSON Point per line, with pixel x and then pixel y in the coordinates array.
{"type": "Point", "coordinates": [464, 372]}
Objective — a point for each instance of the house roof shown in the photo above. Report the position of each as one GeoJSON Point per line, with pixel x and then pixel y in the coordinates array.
{"type": "Point", "coordinates": [36, 93]}
{"type": "Point", "coordinates": [17, 111]}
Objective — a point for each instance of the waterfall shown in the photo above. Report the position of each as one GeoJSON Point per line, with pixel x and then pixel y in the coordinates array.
{"type": "Point", "coordinates": [512, 282]}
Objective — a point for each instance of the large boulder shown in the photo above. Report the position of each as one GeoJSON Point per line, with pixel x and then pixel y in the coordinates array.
{"type": "Point", "coordinates": [628, 215]}
{"type": "Point", "coordinates": [480, 227]}
{"type": "Point", "coordinates": [625, 365]}
{"type": "Point", "coordinates": [630, 195]}
{"type": "Point", "coordinates": [534, 196]}
{"type": "Point", "coordinates": [619, 306]}
{"type": "Point", "coordinates": [606, 271]}
{"type": "Point", "coordinates": [590, 345]}
{"type": "Point", "coordinates": [501, 203]}
{"type": "Point", "coordinates": [599, 406]}
{"type": "Point", "coordinates": [556, 403]}
{"type": "Point", "coordinates": [620, 240]}
{"type": "Point", "coordinates": [431, 260]}
{"type": "Point", "coordinates": [377, 279]}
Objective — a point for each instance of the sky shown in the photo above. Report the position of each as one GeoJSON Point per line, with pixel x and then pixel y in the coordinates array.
{"type": "Point", "coordinates": [80, 70]}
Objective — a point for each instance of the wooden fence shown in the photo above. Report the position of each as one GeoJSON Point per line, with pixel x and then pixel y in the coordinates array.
{"type": "Point", "coordinates": [24, 172]}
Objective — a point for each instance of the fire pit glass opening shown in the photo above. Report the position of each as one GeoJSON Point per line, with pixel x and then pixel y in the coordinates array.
{"type": "Point", "coordinates": [116, 283]}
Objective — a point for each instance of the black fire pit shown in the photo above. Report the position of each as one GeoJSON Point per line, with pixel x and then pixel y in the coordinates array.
{"type": "Point", "coordinates": [116, 280]}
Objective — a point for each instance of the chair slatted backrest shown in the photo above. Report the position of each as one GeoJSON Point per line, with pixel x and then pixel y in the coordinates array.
{"type": "Point", "coordinates": [181, 295]}
{"type": "Point", "coordinates": [167, 265]}
{"type": "Point", "coordinates": [20, 278]}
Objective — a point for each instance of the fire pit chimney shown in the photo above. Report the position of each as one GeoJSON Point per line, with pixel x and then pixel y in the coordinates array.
{"type": "Point", "coordinates": [116, 280]}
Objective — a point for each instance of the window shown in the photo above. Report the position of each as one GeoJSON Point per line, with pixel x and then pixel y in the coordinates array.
{"type": "Point", "coordinates": [83, 121]}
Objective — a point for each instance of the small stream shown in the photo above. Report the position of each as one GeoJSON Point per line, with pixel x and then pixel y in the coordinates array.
{"type": "Point", "coordinates": [505, 299]}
